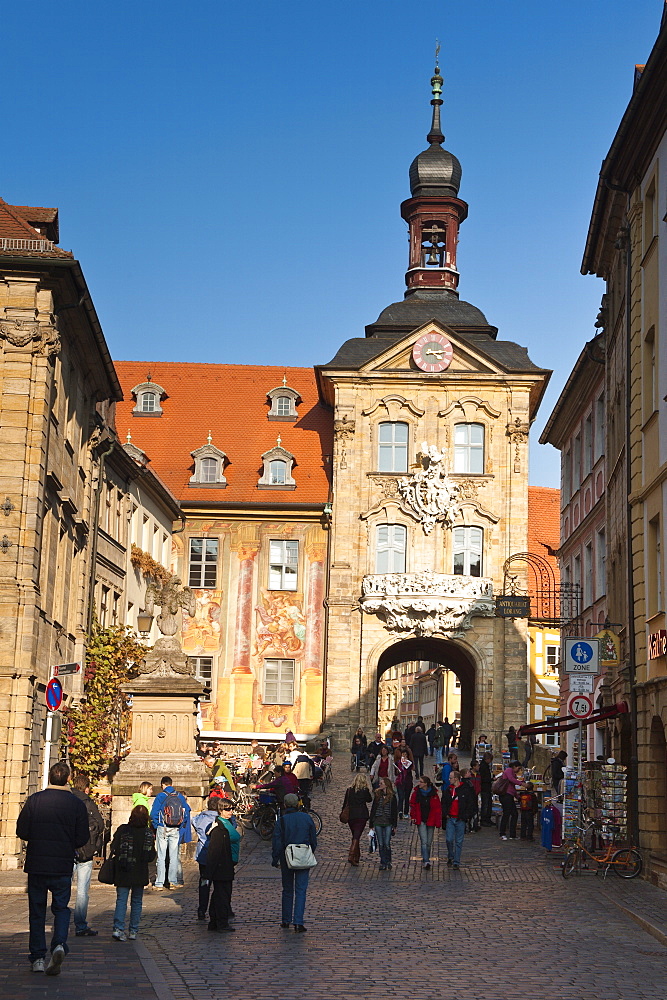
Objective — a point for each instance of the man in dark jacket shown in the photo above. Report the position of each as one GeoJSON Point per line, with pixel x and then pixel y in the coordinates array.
{"type": "Point", "coordinates": [54, 823]}
{"type": "Point", "coordinates": [83, 865]}
{"type": "Point", "coordinates": [430, 736]}
{"type": "Point", "coordinates": [459, 804]}
{"type": "Point", "coordinates": [419, 748]}
{"type": "Point", "coordinates": [373, 748]}
{"type": "Point", "coordinates": [486, 778]}
{"type": "Point", "coordinates": [294, 827]}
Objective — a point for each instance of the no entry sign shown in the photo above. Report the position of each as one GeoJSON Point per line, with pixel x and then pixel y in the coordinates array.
{"type": "Point", "coordinates": [580, 706]}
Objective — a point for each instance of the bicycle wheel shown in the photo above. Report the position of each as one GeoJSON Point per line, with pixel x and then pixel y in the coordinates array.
{"type": "Point", "coordinates": [317, 820]}
{"type": "Point", "coordinates": [267, 821]}
{"type": "Point", "coordinates": [627, 863]}
{"type": "Point", "coordinates": [569, 863]}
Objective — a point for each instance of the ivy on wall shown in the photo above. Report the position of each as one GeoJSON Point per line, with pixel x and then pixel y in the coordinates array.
{"type": "Point", "coordinates": [96, 731]}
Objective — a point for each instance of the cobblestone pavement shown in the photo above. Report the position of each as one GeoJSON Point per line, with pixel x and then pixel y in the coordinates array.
{"type": "Point", "coordinates": [506, 926]}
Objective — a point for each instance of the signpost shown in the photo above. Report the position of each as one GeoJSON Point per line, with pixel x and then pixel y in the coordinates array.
{"type": "Point", "coordinates": [512, 606]}
{"type": "Point", "coordinates": [582, 656]}
{"type": "Point", "coordinates": [581, 683]}
{"type": "Point", "coordinates": [65, 668]}
{"type": "Point", "coordinates": [53, 697]}
{"type": "Point", "coordinates": [580, 707]}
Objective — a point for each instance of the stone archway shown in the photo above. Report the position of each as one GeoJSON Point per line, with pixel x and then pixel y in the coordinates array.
{"type": "Point", "coordinates": [448, 654]}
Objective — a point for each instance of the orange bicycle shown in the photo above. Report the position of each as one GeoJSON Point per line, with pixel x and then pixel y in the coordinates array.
{"type": "Point", "coordinates": [626, 862]}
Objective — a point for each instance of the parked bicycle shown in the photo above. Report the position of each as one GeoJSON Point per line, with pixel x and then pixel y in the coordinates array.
{"type": "Point", "coordinates": [626, 862]}
{"type": "Point", "coordinates": [267, 812]}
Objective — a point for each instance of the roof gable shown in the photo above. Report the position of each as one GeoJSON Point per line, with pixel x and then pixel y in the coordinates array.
{"type": "Point", "coordinates": [398, 356]}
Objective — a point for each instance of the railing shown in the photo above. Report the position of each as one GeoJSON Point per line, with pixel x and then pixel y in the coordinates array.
{"type": "Point", "coordinates": [12, 244]}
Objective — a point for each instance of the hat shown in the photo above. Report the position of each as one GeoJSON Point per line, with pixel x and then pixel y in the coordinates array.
{"type": "Point", "coordinates": [291, 801]}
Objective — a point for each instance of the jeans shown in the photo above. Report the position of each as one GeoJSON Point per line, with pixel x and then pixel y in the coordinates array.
{"type": "Point", "coordinates": [221, 903]}
{"type": "Point", "coordinates": [509, 816]}
{"type": "Point", "coordinates": [60, 887]}
{"type": "Point", "coordinates": [438, 755]}
{"type": "Point", "coordinates": [419, 764]}
{"type": "Point", "coordinates": [455, 831]}
{"type": "Point", "coordinates": [426, 834]}
{"type": "Point", "coordinates": [83, 870]}
{"type": "Point", "coordinates": [122, 895]}
{"type": "Point", "coordinates": [166, 837]}
{"type": "Point", "coordinates": [430, 749]}
{"type": "Point", "coordinates": [527, 824]}
{"type": "Point", "coordinates": [383, 834]}
{"type": "Point", "coordinates": [295, 886]}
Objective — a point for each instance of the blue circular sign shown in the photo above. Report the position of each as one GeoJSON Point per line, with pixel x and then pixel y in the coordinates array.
{"type": "Point", "coordinates": [582, 652]}
{"type": "Point", "coordinates": [54, 694]}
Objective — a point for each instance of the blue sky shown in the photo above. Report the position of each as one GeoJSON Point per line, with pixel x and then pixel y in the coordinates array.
{"type": "Point", "coordinates": [230, 174]}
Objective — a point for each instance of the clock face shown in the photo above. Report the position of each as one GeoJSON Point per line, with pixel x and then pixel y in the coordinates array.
{"type": "Point", "coordinates": [432, 353]}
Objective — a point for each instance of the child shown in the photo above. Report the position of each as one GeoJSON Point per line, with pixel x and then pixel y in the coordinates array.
{"type": "Point", "coordinates": [141, 798]}
{"type": "Point", "coordinates": [528, 809]}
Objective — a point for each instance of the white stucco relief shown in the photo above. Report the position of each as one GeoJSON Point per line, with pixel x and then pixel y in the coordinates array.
{"type": "Point", "coordinates": [427, 603]}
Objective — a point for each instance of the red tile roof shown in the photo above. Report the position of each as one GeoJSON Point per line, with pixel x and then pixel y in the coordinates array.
{"type": "Point", "coordinates": [14, 226]}
{"type": "Point", "coordinates": [544, 525]}
{"type": "Point", "coordinates": [230, 401]}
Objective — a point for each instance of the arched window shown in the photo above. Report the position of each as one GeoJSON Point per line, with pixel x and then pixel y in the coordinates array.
{"type": "Point", "coordinates": [148, 402]}
{"type": "Point", "coordinates": [148, 396]}
{"type": "Point", "coordinates": [390, 546]}
{"type": "Point", "coordinates": [209, 470]}
{"type": "Point", "coordinates": [468, 544]}
{"type": "Point", "coordinates": [393, 447]}
{"type": "Point", "coordinates": [469, 448]}
{"type": "Point", "coordinates": [284, 406]}
{"type": "Point", "coordinates": [278, 474]}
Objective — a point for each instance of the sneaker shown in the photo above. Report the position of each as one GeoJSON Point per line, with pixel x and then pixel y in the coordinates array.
{"type": "Point", "coordinates": [389, 867]}
{"type": "Point", "coordinates": [201, 915]}
{"type": "Point", "coordinates": [503, 837]}
{"type": "Point", "coordinates": [382, 868]}
{"type": "Point", "coordinates": [427, 864]}
{"type": "Point", "coordinates": [285, 927]}
{"type": "Point", "coordinates": [56, 960]}
{"type": "Point", "coordinates": [449, 862]}
{"type": "Point", "coordinates": [119, 936]}
{"type": "Point", "coordinates": [38, 965]}
{"type": "Point", "coordinates": [179, 885]}
{"type": "Point", "coordinates": [299, 929]}
{"type": "Point", "coordinates": [88, 932]}
{"type": "Point", "coordinates": [132, 936]}
{"type": "Point", "coordinates": [456, 867]}
{"type": "Point", "coordinates": [158, 888]}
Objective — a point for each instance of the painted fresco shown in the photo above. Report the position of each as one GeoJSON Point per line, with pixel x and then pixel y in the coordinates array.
{"type": "Point", "coordinates": [281, 626]}
{"type": "Point", "coordinates": [201, 633]}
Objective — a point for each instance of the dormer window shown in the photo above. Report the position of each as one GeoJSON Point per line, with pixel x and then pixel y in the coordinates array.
{"type": "Point", "coordinates": [277, 473]}
{"type": "Point", "coordinates": [148, 396]}
{"type": "Point", "coordinates": [209, 466]}
{"type": "Point", "coordinates": [283, 402]}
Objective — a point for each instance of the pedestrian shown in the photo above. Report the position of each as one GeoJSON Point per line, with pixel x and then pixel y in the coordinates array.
{"type": "Point", "coordinates": [557, 771]}
{"type": "Point", "coordinates": [203, 824]}
{"type": "Point", "coordinates": [383, 767]}
{"type": "Point", "coordinates": [361, 737]}
{"type": "Point", "coordinates": [284, 783]}
{"type": "Point", "coordinates": [486, 783]}
{"type": "Point", "coordinates": [430, 736]}
{"type": "Point", "coordinates": [402, 747]}
{"type": "Point", "coordinates": [54, 824]}
{"type": "Point", "coordinates": [458, 807]}
{"type": "Point", "coordinates": [451, 764]}
{"type": "Point", "coordinates": [356, 801]}
{"type": "Point", "coordinates": [374, 747]}
{"type": "Point", "coordinates": [170, 812]}
{"type": "Point", "coordinates": [294, 827]}
{"type": "Point", "coordinates": [419, 747]}
{"type": "Point", "coordinates": [143, 795]}
{"type": "Point", "coordinates": [303, 767]}
{"type": "Point", "coordinates": [481, 747]}
{"type": "Point", "coordinates": [456, 735]}
{"type": "Point", "coordinates": [426, 814]}
{"type": "Point", "coordinates": [528, 811]}
{"type": "Point", "coordinates": [83, 862]}
{"type": "Point", "coordinates": [512, 782]}
{"type": "Point", "coordinates": [132, 848]}
{"type": "Point", "coordinates": [512, 743]}
{"type": "Point", "coordinates": [384, 820]}
{"type": "Point", "coordinates": [447, 734]}
{"type": "Point", "coordinates": [222, 856]}
{"type": "Point", "coordinates": [404, 771]}
{"type": "Point", "coordinates": [358, 751]}
{"type": "Point", "coordinates": [470, 780]}
{"type": "Point", "coordinates": [439, 743]}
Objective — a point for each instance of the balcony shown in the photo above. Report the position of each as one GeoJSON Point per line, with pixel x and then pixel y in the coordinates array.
{"type": "Point", "coordinates": [426, 603]}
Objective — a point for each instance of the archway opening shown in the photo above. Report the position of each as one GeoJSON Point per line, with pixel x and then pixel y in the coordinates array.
{"type": "Point", "coordinates": [433, 678]}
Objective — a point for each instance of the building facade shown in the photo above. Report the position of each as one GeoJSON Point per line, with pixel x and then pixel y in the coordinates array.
{"type": "Point", "coordinates": [543, 636]}
{"type": "Point", "coordinates": [627, 247]}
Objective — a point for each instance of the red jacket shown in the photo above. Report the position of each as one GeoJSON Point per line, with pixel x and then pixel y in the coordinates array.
{"type": "Point", "coordinates": [434, 817]}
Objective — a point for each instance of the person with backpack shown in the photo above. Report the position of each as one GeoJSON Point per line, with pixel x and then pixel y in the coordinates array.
{"type": "Point", "coordinates": [83, 863]}
{"type": "Point", "coordinates": [132, 848]}
{"type": "Point", "coordinates": [170, 813]}
{"type": "Point", "coordinates": [459, 805]}
{"type": "Point", "coordinates": [203, 824]}
{"type": "Point", "coordinates": [430, 736]}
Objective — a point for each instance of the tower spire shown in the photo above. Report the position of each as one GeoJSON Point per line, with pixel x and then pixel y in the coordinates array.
{"type": "Point", "coordinates": [435, 136]}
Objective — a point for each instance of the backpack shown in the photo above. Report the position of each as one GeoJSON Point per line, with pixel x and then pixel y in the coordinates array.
{"type": "Point", "coordinates": [173, 810]}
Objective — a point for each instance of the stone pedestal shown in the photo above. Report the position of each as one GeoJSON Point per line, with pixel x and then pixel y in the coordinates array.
{"type": "Point", "coordinates": [164, 731]}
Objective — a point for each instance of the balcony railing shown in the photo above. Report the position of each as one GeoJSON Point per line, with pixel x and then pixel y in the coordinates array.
{"type": "Point", "coordinates": [40, 246]}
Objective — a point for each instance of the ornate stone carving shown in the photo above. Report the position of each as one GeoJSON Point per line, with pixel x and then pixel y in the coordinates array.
{"type": "Point", "coordinates": [429, 494]}
{"type": "Point", "coordinates": [166, 658]}
{"type": "Point", "coordinates": [469, 488]}
{"type": "Point", "coordinates": [517, 431]}
{"type": "Point", "coordinates": [387, 486]}
{"type": "Point", "coordinates": [344, 431]}
{"type": "Point", "coordinates": [40, 338]}
{"type": "Point", "coordinates": [427, 603]}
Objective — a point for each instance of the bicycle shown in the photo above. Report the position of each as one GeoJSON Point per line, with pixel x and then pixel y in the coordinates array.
{"type": "Point", "coordinates": [268, 811]}
{"type": "Point", "coordinates": [626, 862]}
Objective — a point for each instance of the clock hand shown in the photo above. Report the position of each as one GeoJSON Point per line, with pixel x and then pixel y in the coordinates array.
{"type": "Point", "coordinates": [436, 354]}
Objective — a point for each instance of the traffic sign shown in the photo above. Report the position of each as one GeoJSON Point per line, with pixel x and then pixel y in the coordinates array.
{"type": "Point", "coordinates": [582, 656]}
{"type": "Point", "coordinates": [54, 695]}
{"type": "Point", "coordinates": [580, 706]}
{"type": "Point", "coordinates": [581, 683]}
{"type": "Point", "coordinates": [65, 668]}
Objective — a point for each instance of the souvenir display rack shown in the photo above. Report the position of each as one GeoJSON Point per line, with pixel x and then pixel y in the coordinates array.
{"type": "Point", "coordinates": [606, 790]}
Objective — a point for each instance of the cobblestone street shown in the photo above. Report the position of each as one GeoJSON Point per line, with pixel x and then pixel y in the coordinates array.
{"type": "Point", "coordinates": [507, 926]}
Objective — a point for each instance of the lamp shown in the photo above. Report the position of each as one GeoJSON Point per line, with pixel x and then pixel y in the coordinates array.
{"type": "Point", "coordinates": [144, 623]}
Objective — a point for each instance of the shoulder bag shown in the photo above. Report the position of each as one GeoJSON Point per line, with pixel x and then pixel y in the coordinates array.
{"type": "Point", "coordinates": [107, 872]}
{"type": "Point", "coordinates": [499, 786]}
{"type": "Point", "coordinates": [298, 856]}
{"type": "Point", "coordinates": [345, 811]}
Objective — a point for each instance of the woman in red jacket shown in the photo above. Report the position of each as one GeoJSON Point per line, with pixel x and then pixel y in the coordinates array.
{"type": "Point", "coordinates": [425, 813]}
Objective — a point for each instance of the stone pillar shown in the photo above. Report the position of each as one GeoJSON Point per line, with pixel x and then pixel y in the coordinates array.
{"type": "Point", "coordinates": [242, 680]}
{"type": "Point", "coordinates": [311, 677]}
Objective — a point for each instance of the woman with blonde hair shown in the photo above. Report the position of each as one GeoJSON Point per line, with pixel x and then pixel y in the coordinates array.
{"type": "Point", "coordinates": [384, 820]}
{"type": "Point", "coordinates": [355, 813]}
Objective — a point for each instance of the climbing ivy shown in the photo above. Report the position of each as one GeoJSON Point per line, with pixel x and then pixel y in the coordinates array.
{"type": "Point", "coordinates": [95, 729]}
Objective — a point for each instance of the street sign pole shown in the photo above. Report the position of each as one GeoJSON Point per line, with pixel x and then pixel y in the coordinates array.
{"type": "Point", "coordinates": [47, 749]}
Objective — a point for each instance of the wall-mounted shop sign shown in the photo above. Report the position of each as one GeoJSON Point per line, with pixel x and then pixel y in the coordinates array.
{"type": "Point", "coordinates": [657, 644]}
{"type": "Point", "coordinates": [512, 606]}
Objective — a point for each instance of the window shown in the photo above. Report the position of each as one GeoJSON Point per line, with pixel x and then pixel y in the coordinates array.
{"type": "Point", "coordinates": [209, 470]}
{"type": "Point", "coordinates": [567, 475]}
{"type": "Point", "coordinates": [284, 401]}
{"type": "Point", "coordinates": [283, 406]}
{"type": "Point", "coordinates": [551, 659]}
{"type": "Point", "coordinates": [576, 464]}
{"type": "Point", "coordinates": [588, 444]}
{"type": "Point", "coordinates": [278, 473]}
{"type": "Point", "coordinates": [148, 402]}
{"type": "Point", "coordinates": [203, 563]}
{"type": "Point", "coordinates": [649, 375]}
{"type": "Point", "coordinates": [551, 739]}
{"type": "Point", "coordinates": [469, 448]}
{"type": "Point", "coordinates": [599, 427]}
{"type": "Point", "coordinates": [390, 544]}
{"type": "Point", "coordinates": [468, 551]}
{"type": "Point", "coordinates": [283, 565]}
{"type": "Point", "coordinates": [104, 607]}
{"type": "Point", "coordinates": [148, 395]}
{"type": "Point", "coordinates": [588, 574]}
{"type": "Point", "coordinates": [209, 466]}
{"type": "Point", "coordinates": [393, 447]}
{"type": "Point", "coordinates": [654, 567]}
{"type": "Point", "coordinates": [600, 564]}
{"type": "Point", "coordinates": [202, 667]}
{"type": "Point", "coordinates": [650, 214]}
{"type": "Point", "coordinates": [278, 682]}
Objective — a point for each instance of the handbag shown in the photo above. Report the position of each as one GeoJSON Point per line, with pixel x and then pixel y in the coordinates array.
{"type": "Point", "coordinates": [499, 786]}
{"type": "Point", "coordinates": [297, 856]}
{"type": "Point", "coordinates": [107, 872]}
{"type": "Point", "coordinates": [345, 811]}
